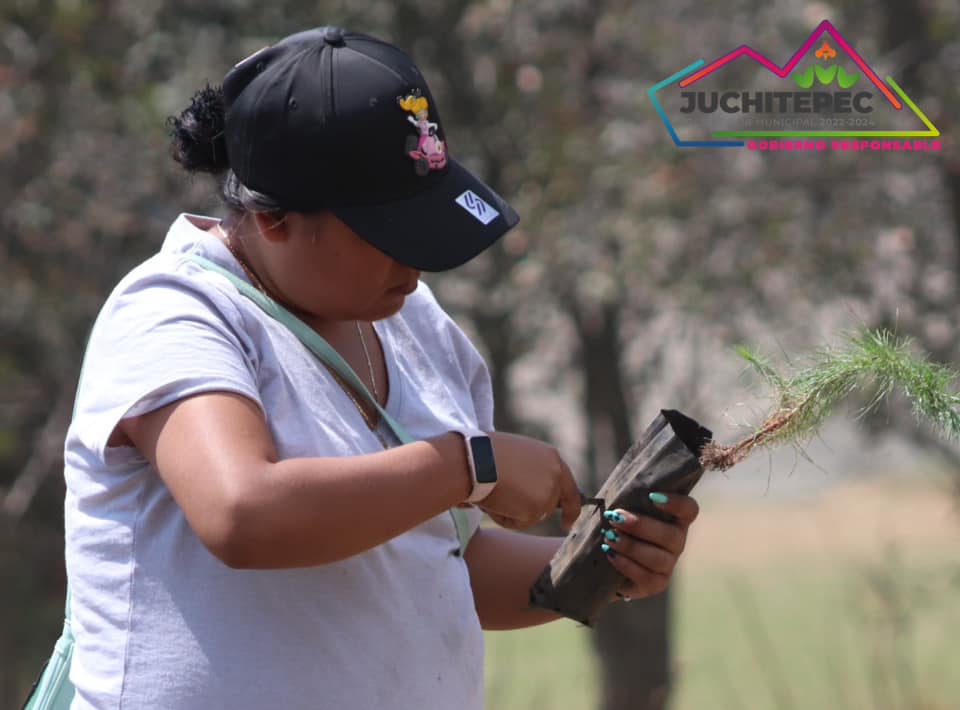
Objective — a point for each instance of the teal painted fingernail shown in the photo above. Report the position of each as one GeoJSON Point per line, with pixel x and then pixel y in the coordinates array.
{"type": "Point", "coordinates": [658, 498]}
{"type": "Point", "coordinates": [607, 550]}
{"type": "Point", "coordinates": [611, 535]}
{"type": "Point", "coordinates": [613, 516]}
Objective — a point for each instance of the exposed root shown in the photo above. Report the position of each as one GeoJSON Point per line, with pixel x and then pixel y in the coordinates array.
{"type": "Point", "coordinates": [720, 457]}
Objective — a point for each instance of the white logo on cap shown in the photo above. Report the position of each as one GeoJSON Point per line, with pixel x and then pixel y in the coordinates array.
{"type": "Point", "coordinates": [477, 207]}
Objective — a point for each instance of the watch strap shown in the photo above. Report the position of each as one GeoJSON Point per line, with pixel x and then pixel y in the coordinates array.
{"type": "Point", "coordinates": [481, 483]}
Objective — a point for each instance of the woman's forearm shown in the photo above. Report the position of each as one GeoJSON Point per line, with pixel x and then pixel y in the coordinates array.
{"type": "Point", "coordinates": [313, 511]}
{"type": "Point", "coordinates": [252, 510]}
{"type": "Point", "coordinates": [503, 566]}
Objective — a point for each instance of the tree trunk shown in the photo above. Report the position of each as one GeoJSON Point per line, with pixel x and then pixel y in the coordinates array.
{"type": "Point", "coordinates": [951, 174]}
{"type": "Point", "coordinates": [494, 331]}
{"type": "Point", "coordinates": [632, 639]}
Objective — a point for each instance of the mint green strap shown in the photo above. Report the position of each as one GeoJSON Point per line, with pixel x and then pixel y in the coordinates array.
{"type": "Point", "coordinates": [323, 350]}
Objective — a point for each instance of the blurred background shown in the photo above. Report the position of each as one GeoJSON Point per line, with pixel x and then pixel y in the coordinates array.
{"type": "Point", "coordinates": [821, 577]}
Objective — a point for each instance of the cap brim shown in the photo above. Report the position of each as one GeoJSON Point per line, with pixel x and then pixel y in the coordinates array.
{"type": "Point", "coordinates": [437, 229]}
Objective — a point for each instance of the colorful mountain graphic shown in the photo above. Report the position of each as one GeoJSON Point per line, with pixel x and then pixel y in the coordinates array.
{"type": "Point", "coordinates": [896, 97]}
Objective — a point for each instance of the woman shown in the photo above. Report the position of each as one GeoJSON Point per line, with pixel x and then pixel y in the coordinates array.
{"type": "Point", "coordinates": [244, 529]}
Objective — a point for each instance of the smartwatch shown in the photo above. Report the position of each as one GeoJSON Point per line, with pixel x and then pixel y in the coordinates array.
{"type": "Point", "coordinates": [482, 465]}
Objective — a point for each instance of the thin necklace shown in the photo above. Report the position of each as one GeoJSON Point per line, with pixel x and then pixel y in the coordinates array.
{"type": "Point", "coordinates": [372, 424]}
{"type": "Point", "coordinates": [243, 263]}
{"type": "Point", "coordinates": [366, 354]}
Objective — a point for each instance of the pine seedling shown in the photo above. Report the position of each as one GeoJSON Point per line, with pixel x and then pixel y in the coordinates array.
{"type": "Point", "coordinates": [877, 363]}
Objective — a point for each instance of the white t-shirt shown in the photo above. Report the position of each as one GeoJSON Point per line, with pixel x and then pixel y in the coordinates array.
{"type": "Point", "coordinates": [162, 624]}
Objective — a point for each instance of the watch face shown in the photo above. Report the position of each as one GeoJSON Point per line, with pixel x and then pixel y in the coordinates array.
{"type": "Point", "coordinates": [483, 461]}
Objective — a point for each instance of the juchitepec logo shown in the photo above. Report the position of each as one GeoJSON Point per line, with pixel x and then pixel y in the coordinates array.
{"type": "Point", "coordinates": [826, 97]}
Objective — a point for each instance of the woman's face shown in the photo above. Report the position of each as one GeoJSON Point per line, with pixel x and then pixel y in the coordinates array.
{"type": "Point", "coordinates": [319, 265]}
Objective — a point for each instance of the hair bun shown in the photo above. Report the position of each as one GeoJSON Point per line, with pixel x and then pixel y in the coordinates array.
{"type": "Point", "coordinates": [197, 137]}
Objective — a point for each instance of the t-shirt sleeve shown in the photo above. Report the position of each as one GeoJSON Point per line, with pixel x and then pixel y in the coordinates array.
{"type": "Point", "coordinates": [473, 368]}
{"type": "Point", "coordinates": [478, 378]}
{"type": "Point", "coordinates": [160, 338]}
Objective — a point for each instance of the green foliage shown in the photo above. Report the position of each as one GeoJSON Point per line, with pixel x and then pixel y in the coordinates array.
{"type": "Point", "coordinates": [876, 362]}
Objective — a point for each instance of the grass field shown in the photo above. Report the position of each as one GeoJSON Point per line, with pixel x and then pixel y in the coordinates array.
{"type": "Point", "coordinates": [846, 601]}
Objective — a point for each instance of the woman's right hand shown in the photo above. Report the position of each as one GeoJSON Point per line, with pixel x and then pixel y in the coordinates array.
{"type": "Point", "coordinates": [533, 481]}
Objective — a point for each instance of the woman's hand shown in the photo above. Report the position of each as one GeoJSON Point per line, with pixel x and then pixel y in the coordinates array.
{"type": "Point", "coordinates": [533, 482]}
{"type": "Point", "coordinates": [645, 550]}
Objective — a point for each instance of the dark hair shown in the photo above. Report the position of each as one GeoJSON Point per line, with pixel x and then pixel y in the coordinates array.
{"type": "Point", "coordinates": [198, 144]}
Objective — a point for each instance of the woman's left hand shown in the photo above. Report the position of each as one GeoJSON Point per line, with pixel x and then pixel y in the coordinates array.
{"type": "Point", "coordinates": [645, 550]}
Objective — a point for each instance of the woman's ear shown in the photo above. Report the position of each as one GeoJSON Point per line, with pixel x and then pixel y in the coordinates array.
{"type": "Point", "coordinates": [272, 225]}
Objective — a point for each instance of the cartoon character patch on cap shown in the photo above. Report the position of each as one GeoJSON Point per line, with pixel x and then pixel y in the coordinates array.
{"type": "Point", "coordinates": [426, 149]}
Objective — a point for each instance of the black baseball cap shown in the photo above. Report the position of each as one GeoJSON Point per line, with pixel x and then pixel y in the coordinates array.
{"type": "Point", "coordinates": [334, 120]}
